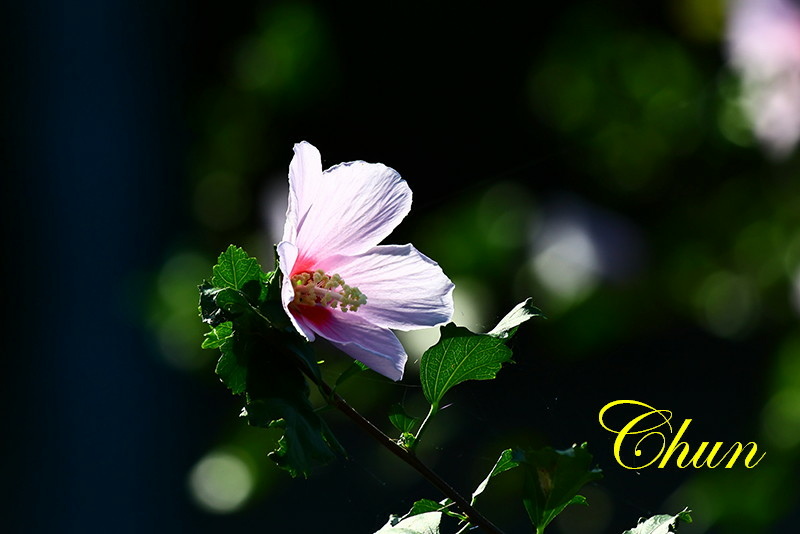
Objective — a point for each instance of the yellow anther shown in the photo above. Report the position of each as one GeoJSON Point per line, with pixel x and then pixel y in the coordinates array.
{"type": "Point", "coordinates": [319, 288]}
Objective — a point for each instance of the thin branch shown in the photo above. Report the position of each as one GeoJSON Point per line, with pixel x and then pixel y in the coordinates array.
{"type": "Point", "coordinates": [475, 517]}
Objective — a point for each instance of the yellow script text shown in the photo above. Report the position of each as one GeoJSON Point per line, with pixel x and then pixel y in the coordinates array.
{"type": "Point", "coordinates": [643, 429]}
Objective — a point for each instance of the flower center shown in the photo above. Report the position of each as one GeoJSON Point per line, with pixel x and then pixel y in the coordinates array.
{"type": "Point", "coordinates": [318, 288]}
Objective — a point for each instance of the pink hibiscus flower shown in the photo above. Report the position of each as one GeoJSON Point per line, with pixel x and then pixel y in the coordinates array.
{"type": "Point", "coordinates": [338, 283]}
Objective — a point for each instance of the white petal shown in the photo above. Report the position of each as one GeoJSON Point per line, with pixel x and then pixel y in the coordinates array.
{"type": "Point", "coordinates": [305, 174]}
{"type": "Point", "coordinates": [348, 209]}
{"type": "Point", "coordinates": [376, 347]}
{"type": "Point", "coordinates": [405, 289]}
{"type": "Point", "coordinates": [287, 253]}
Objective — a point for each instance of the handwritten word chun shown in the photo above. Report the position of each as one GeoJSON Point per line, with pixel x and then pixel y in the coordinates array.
{"type": "Point", "coordinates": [649, 427]}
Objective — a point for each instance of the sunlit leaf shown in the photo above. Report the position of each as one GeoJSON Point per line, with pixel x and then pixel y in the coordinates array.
{"type": "Point", "coordinates": [427, 523]}
{"type": "Point", "coordinates": [423, 506]}
{"type": "Point", "coordinates": [218, 336]}
{"type": "Point", "coordinates": [661, 524]}
{"type": "Point", "coordinates": [503, 464]}
{"type": "Point", "coordinates": [210, 312]}
{"type": "Point", "coordinates": [235, 268]}
{"type": "Point", "coordinates": [553, 479]}
{"type": "Point", "coordinates": [518, 315]}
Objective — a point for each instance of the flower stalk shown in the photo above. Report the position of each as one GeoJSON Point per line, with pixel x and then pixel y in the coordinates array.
{"type": "Point", "coordinates": [433, 411]}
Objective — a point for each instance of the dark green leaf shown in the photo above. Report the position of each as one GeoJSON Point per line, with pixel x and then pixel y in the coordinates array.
{"type": "Point", "coordinates": [661, 524]}
{"type": "Point", "coordinates": [458, 356]}
{"type": "Point", "coordinates": [355, 368]}
{"type": "Point", "coordinates": [264, 357]}
{"type": "Point", "coordinates": [553, 479]}
{"type": "Point", "coordinates": [503, 464]}
{"type": "Point", "coordinates": [232, 302]}
{"type": "Point", "coordinates": [462, 355]}
{"type": "Point", "coordinates": [232, 364]}
{"type": "Point", "coordinates": [272, 282]}
{"type": "Point", "coordinates": [277, 397]}
{"type": "Point", "coordinates": [271, 306]}
{"type": "Point", "coordinates": [307, 442]}
{"type": "Point", "coordinates": [233, 337]}
{"type": "Point", "coordinates": [209, 311]}
{"type": "Point", "coordinates": [302, 350]}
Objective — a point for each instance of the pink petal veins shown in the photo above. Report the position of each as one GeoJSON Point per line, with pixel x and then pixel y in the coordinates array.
{"type": "Point", "coordinates": [405, 289]}
{"type": "Point", "coordinates": [376, 347]}
{"type": "Point", "coordinates": [348, 209]}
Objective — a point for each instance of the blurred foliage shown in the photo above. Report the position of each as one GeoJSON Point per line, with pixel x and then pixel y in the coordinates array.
{"type": "Point", "coordinates": [632, 104]}
{"type": "Point", "coordinates": [628, 199]}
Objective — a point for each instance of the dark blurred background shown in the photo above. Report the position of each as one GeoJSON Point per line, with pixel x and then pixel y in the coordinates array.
{"type": "Point", "coordinates": [630, 165]}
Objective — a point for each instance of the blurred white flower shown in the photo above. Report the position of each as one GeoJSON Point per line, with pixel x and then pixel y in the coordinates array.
{"type": "Point", "coordinates": [576, 245]}
{"type": "Point", "coordinates": [763, 41]}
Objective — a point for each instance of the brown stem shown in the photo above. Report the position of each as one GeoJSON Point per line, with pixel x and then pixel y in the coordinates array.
{"type": "Point", "coordinates": [475, 517]}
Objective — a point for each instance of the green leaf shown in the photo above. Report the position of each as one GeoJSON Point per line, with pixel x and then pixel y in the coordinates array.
{"type": "Point", "coordinates": [270, 306]}
{"type": "Point", "coordinates": [461, 355]}
{"type": "Point", "coordinates": [210, 313]}
{"type": "Point", "coordinates": [232, 302]}
{"type": "Point", "coordinates": [405, 424]}
{"type": "Point", "coordinates": [518, 315]}
{"type": "Point", "coordinates": [503, 464]}
{"type": "Point", "coordinates": [355, 368]}
{"type": "Point", "coordinates": [423, 506]}
{"type": "Point", "coordinates": [233, 337]}
{"type": "Point", "coordinates": [553, 479]}
{"type": "Point", "coordinates": [400, 419]}
{"type": "Point", "coordinates": [427, 505]}
{"type": "Point", "coordinates": [241, 279]}
{"type": "Point", "coordinates": [218, 336]}
{"type": "Point", "coordinates": [661, 524]}
{"type": "Point", "coordinates": [262, 356]}
{"type": "Point", "coordinates": [277, 397]}
{"type": "Point", "coordinates": [232, 365]}
{"type": "Point", "coordinates": [231, 371]}
{"type": "Point", "coordinates": [272, 281]}
{"type": "Point", "coordinates": [240, 308]}
{"type": "Point", "coordinates": [302, 349]}
{"type": "Point", "coordinates": [218, 305]}
{"type": "Point", "coordinates": [427, 523]}
{"type": "Point", "coordinates": [235, 268]}
{"type": "Point", "coordinates": [458, 356]}
{"type": "Point", "coordinates": [307, 441]}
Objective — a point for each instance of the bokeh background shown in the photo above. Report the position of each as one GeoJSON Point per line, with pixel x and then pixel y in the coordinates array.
{"type": "Point", "coordinates": [630, 165]}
